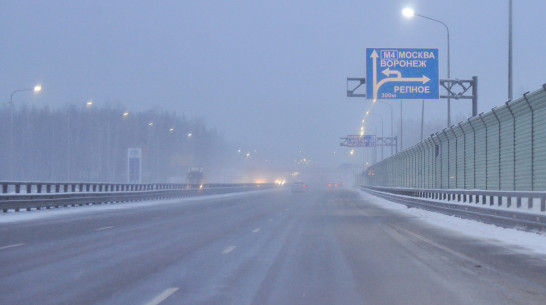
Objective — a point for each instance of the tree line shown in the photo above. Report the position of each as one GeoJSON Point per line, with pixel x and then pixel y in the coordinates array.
{"type": "Point", "coordinates": [90, 144]}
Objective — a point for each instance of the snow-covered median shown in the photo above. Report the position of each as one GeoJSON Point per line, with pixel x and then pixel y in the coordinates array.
{"type": "Point", "coordinates": [534, 242]}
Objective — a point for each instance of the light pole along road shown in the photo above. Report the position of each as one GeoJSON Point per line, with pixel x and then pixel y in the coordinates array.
{"type": "Point", "coordinates": [36, 89]}
{"type": "Point", "coordinates": [409, 13]}
{"type": "Point", "coordinates": [323, 246]}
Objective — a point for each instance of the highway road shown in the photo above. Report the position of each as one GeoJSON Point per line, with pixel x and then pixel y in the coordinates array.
{"type": "Point", "coordinates": [267, 247]}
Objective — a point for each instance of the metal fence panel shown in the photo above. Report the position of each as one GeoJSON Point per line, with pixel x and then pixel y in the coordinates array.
{"type": "Point", "coordinates": [507, 164]}
{"type": "Point", "coordinates": [444, 158]}
{"type": "Point", "coordinates": [493, 149]}
{"type": "Point", "coordinates": [470, 164]}
{"type": "Point", "coordinates": [523, 151]}
{"type": "Point", "coordinates": [504, 149]}
{"type": "Point", "coordinates": [536, 100]}
{"type": "Point", "coordinates": [437, 161]}
{"type": "Point", "coordinates": [429, 163]}
{"type": "Point", "coordinates": [452, 162]}
{"type": "Point", "coordinates": [481, 149]}
{"type": "Point", "coordinates": [460, 162]}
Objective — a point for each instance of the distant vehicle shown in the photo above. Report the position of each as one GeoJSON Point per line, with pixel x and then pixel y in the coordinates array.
{"type": "Point", "coordinates": [298, 187]}
{"type": "Point", "coordinates": [194, 176]}
{"type": "Point", "coordinates": [334, 185]}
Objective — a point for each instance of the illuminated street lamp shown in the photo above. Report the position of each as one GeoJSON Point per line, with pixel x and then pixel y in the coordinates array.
{"type": "Point", "coordinates": [409, 13]}
{"type": "Point", "coordinates": [37, 89]}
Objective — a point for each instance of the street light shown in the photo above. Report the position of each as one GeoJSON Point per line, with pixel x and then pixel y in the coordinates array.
{"type": "Point", "coordinates": [409, 13]}
{"type": "Point", "coordinates": [392, 129]}
{"type": "Point", "coordinates": [382, 136]}
{"type": "Point", "coordinates": [37, 89]}
{"type": "Point", "coordinates": [510, 50]}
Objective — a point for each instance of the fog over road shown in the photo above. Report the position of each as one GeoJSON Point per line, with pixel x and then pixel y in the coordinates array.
{"type": "Point", "coordinates": [268, 247]}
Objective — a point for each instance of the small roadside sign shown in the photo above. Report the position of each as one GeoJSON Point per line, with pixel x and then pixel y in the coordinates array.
{"type": "Point", "coordinates": [134, 165]}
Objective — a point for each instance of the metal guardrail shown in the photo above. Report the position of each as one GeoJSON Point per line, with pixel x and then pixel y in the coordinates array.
{"type": "Point", "coordinates": [508, 209]}
{"type": "Point", "coordinates": [38, 195]}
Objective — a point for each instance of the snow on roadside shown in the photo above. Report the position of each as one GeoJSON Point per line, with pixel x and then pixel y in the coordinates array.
{"type": "Point", "coordinates": [12, 216]}
{"type": "Point", "coordinates": [531, 241]}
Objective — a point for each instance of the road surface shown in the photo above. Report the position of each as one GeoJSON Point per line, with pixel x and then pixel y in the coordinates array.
{"type": "Point", "coordinates": [268, 247]}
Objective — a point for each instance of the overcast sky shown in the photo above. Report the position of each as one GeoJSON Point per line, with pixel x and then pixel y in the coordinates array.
{"type": "Point", "coordinates": [268, 75]}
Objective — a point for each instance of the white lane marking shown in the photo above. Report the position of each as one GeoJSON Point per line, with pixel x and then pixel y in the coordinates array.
{"type": "Point", "coordinates": [164, 295]}
{"type": "Point", "coordinates": [104, 228]}
{"type": "Point", "coordinates": [228, 249]}
{"type": "Point", "coordinates": [256, 230]}
{"type": "Point", "coordinates": [11, 246]}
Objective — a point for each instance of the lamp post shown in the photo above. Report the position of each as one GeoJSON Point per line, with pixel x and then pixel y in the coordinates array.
{"type": "Point", "coordinates": [510, 50]}
{"type": "Point", "coordinates": [36, 89]}
{"type": "Point", "coordinates": [409, 13]}
{"type": "Point", "coordinates": [392, 129]}
{"type": "Point", "coordinates": [382, 136]}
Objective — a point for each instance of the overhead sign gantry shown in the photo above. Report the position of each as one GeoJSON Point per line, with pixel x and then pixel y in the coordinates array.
{"type": "Point", "coordinates": [359, 141]}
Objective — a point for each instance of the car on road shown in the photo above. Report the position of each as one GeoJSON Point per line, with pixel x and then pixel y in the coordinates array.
{"type": "Point", "coordinates": [333, 185]}
{"type": "Point", "coordinates": [298, 187]}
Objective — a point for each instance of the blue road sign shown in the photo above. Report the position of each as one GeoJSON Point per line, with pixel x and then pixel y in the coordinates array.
{"type": "Point", "coordinates": [402, 73]}
{"type": "Point", "coordinates": [361, 141]}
